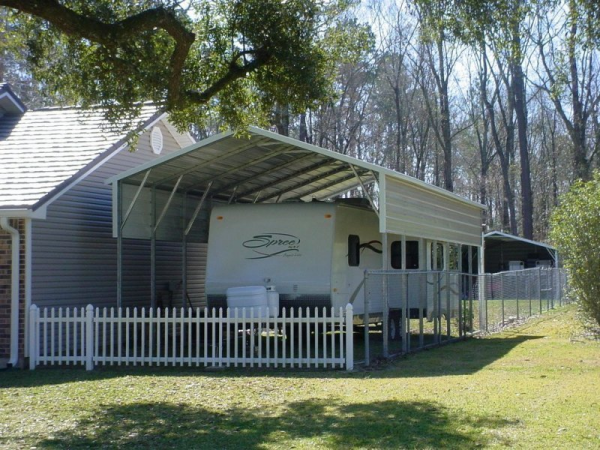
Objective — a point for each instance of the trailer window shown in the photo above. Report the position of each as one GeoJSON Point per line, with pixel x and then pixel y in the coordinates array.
{"type": "Point", "coordinates": [454, 255]}
{"type": "Point", "coordinates": [412, 255]}
{"type": "Point", "coordinates": [353, 250]}
{"type": "Point", "coordinates": [437, 256]}
{"type": "Point", "coordinates": [396, 255]}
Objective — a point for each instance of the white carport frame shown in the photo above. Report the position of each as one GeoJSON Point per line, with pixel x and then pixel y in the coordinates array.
{"type": "Point", "coordinates": [266, 167]}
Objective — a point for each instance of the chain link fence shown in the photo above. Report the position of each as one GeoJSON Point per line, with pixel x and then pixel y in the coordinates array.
{"type": "Point", "coordinates": [515, 296]}
{"type": "Point", "coordinates": [406, 311]}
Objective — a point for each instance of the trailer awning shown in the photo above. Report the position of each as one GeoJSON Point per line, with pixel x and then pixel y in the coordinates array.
{"type": "Point", "coordinates": [264, 167]}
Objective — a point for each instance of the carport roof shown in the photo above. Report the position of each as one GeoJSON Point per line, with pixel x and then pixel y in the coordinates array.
{"type": "Point", "coordinates": [266, 167]}
{"type": "Point", "coordinates": [499, 236]}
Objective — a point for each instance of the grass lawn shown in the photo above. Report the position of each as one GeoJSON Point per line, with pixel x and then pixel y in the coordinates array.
{"type": "Point", "coordinates": [532, 387]}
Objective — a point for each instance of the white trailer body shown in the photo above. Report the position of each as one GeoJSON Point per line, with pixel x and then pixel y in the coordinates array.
{"type": "Point", "coordinates": [305, 251]}
{"type": "Point", "coordinates": [300, 248]}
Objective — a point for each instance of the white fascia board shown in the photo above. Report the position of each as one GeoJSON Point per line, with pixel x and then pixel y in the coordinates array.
{"type": "Point", "coordinates": [158, 161]}
{"type": "Point", "coordinates": [357, 162]}
{"type": "Point", "coordinates": [183, 140]}
{"type": "Point", "coordinates": [12, 98]}
{"type": "Point", "coordinates": [24, 213]}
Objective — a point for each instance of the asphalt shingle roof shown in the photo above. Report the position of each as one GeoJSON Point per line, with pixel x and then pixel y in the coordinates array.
{"type": "Point", "coordinates": [41, 149]}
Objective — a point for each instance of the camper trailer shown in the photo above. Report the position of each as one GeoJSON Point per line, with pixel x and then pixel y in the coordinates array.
{"type": "Point", "coordinates": [312, 254]}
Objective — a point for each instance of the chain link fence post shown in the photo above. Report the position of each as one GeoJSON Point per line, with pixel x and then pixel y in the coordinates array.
{"type": "Point", "coordinates": [386, 316]}
{"type": "Point", "coordinates": [367, 307]}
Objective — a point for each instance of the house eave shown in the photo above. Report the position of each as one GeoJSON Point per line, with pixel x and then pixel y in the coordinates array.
{"type": "Point", "coordinates": [23, 212]}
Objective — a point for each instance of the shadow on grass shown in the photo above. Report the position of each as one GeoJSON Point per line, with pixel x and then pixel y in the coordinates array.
{"type": "Point", "coordinates": [460, 358]}
{"type": "Point", "coordinates": [319, 423]}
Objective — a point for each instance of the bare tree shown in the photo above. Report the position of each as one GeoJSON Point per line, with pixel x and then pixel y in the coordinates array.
{"type": "Point", "coordinates": [568, 73]}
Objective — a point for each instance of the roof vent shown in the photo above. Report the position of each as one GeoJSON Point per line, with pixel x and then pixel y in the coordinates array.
{"type": "Point", "coordinates": [156, 140]}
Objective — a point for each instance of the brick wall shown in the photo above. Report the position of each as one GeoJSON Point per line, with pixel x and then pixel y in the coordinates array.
{"type": "Point", "coordinates": [5, 289]}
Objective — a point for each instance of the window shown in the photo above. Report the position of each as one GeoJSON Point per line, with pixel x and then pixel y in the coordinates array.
{"type": "Point", "coordinates": [396, 255]}
{"type": "Point", "coordinates": [454, 255]}
{"type": "Point", "coordinates": [412, 255]}
{"type": "Point", "coordinates": [437, 256]}
{"type": "Point", "coordinates": [353, 250]}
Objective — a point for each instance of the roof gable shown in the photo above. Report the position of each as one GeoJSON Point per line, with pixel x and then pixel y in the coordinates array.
{"type": "Point", "coordinates": [42, 150]}
{"type": "Point", "coordinates": [10, 103]}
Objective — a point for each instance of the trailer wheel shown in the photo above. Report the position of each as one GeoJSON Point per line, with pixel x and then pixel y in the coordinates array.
{"type": "Point", "coordinates": [394, 326]}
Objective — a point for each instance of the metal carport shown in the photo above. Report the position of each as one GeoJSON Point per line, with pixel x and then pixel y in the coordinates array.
{"type": "Point", "coordinates": [500, 248]}
{"type": "Point", "coordinates": [169, 198]}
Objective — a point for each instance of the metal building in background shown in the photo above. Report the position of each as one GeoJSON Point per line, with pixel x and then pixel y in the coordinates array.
{"type": "Point", "coordinates": [505, 251]}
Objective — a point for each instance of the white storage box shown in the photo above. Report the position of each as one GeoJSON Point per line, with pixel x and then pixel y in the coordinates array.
{"type": "Point", "coordinates": [516, 265]}
{"type": "Point", "coordinates": [248, 297]}
{"type": "Point", "coordinates": [273, 301]}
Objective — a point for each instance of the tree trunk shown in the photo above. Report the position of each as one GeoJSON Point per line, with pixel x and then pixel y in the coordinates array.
{"type": "Point", "coordinates": [521, 113]}
{"type": "Point", "coordinates": [282, 119]}
{"type": "Point", "coordinates": [578, 131]}
{"type": "Point", "coordinates": [445, 117]}
{"type": "Point", "coordinates": [303, 133]}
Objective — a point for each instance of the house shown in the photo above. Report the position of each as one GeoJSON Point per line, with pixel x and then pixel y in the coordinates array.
{"type": "Point", "coordinates": [84, 220]}
{"type": "Point", "coordinates": [56, 244]}
{"type": "Point", "coordinates": [505, 251]}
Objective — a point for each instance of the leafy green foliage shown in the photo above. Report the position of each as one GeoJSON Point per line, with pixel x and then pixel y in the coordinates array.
{"type": "Point", "coordinates": [242, 56]}
{"type": "Point", "coordinates": [575, 229]}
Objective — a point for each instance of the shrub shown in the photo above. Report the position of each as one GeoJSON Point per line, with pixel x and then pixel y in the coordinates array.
{"type": "Point", "coordinates": [575, 230]}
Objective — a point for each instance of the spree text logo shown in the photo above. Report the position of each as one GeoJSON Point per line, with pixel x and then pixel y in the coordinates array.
{"type": "Point", "coordinates": [267, 245]}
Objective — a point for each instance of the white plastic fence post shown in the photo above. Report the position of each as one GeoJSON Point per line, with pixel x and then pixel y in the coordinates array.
{"type": "Point", "coordinates": [33, 337]}
{"type": "Point", "coordinates": [349, 338]}
{"type": "Point", "coordinates": [89, 337]}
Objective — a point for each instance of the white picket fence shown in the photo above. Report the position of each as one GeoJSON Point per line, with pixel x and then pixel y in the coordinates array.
{"type": "Point", "coordinates": [191, 337]}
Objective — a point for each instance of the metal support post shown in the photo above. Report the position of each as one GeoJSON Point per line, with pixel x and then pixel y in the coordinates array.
{"type": "Point", "coordinates": [540, 288]}
{"type": "Point", "coordinates": [502, 295]}
{"type": "Point", "coordinates": [184, 261]}
{"type": "Point", "coordinates": [119, 245]}
{"type": "Point", "coordinates": [439, 308]}
{"type": "Point", "coordinates": [405, 320]}
{"type": "Point", "coordinates": [153, 252]}
{"type": "Point", "coordinates": [470, 287]}
{"type": "Point", "coordinates": [482, 280]}
{"type": "Point", "coordinates": [367, 307]}
{"type": "Point", "coordinates": [529, 293]}
{"type": "Point", "coordinates": [517, 291]}
{"type": "Point", "coordinates": [386, 300]}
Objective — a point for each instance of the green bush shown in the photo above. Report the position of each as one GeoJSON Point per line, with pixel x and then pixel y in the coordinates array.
{"type": "Point", "coordinates": [575, 230]}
